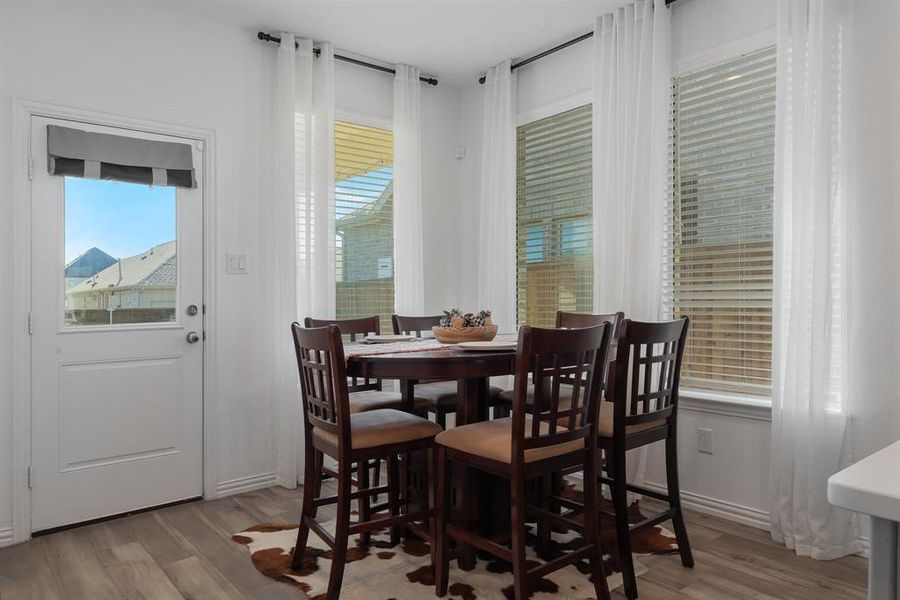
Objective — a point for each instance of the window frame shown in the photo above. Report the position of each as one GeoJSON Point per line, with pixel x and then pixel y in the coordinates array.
{"type": "Point", "coordinates": [523, 118]}
{"type": "Point", "coordinates": [757, 406]}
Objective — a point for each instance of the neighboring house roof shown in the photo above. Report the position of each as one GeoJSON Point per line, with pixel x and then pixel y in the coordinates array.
{"type": "Point", "coordinates": [153, 268]}
{"type": "Point", "coordinates": [367, 212]}
{"type": "Point", "coordinates": [89, 263]}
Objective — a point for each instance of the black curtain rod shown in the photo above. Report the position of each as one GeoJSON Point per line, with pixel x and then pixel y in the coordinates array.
{"type": "Point", "coordinates": [262, 35]}
{"type": "Point", "coordinates": [562, 46]}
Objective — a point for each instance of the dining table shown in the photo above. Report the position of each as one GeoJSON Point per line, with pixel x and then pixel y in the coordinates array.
{"type": "Point", "coordinates": [478, 499]}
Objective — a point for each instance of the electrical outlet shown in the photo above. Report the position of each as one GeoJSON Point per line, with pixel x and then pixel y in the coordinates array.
{"type": "Point", "coordinates": [704, 440]}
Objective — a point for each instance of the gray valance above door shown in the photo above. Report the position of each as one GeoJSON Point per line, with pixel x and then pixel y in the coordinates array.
{"type": "Point", "coordinates": [92, 155]}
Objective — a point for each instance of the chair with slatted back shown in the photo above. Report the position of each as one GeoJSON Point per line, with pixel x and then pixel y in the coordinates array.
{"type": "Point", "coordinates": [331, 429]}
{"type": "Point", "coordinates": [439, 395]}
{"type": "Point", "coordinates": [367, 394]}
{"type": "Point", "coordinates": [641, 408]}
{"type": "Point", "coordinates": [569, 320]}
{"type": "Point", "coordinates": [525, 446]}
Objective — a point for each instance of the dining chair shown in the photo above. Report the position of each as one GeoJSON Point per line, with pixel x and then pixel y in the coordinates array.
{"type": "Point", "coordinates": [439, 395]}
{"type": "Point", "coordinates": [367, 394]}
{"type": "Point", "coordinates": [570, 320]}
{"type": "Point", "coordinates": [525, 446]}
{"type": "Point", "coordinates": [641, 408]}
{"type": "Point", "coordinates": [331, 429]}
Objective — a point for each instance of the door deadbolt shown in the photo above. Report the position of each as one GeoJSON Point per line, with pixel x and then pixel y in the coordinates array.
{"type": "Point", "coordinates": [192, 310]}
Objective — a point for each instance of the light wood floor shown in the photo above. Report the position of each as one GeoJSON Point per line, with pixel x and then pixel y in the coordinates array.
{"type": "Point", "coordinates": [185, 552]}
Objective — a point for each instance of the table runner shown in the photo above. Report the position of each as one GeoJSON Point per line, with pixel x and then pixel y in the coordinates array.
{"type": "Point", "coordinates": [352, 350]}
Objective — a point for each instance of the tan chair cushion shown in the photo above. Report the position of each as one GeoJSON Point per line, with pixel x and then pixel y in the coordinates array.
{"type": "Point", "coordinates": [443, 393]}
{"type": "Point", "coordinates": [606, 422]}
{"type": "Point", "coordinates": [493, 440]}
{"type": "Point", "coordinates": [383, 427]}
{"type": "Point", "coordinates": [374, 400]}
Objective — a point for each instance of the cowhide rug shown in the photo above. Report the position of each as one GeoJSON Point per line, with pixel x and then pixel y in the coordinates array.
{"type": "Point", "coordinates": [382, 572]}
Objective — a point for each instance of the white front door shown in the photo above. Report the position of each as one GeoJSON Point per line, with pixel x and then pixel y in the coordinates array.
{"type": "Point", "coordinates": [117, 403]}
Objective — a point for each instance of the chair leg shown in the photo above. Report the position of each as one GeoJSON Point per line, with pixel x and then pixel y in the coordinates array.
{"type": "Point", "coordinates": [543, 526]}
{"type": "Point", "coordinates": [430, 498]}
{"type": "Point", "coordinates": [440, 417]}
{"type": "Point", "coordinates": [341, 533]}
{"type": "Point", "coordinates": [364, 502]}
{"type": "Point", "coordinates": [616, 463]}
{"type": "Point", "coordinates": [312, 482]}
{"type": "Point", "coordinates": [684, 546]}
{"type": "Point", "coordinates": [439, 536]}
{"type": "Point", "coordinates": [518, 535]}
{"type": "Point", "coordinates": [394, 495]}
{"type": "Point", "coordinates": [376, 477]}
{"type": "Point", "coordinates": [592, 527]}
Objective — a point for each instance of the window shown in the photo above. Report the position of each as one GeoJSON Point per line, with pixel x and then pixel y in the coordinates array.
{"type": "Point", "coordinates": [364, 225]}
{"type": "Point", "coordinates": [554, 260]}
{"type": "Point", "coordinates": [720, 224]}
{"type": "Point", "coordinates": [121, 263]}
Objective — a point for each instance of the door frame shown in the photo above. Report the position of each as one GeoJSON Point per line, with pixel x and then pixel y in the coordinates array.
{"type": "Point", "coordinates": [21, 168]}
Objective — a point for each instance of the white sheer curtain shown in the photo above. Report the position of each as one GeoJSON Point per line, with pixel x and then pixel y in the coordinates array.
{"type": "Point", "coordinates": [497, 223]}
{"type": "Point", "coordinates": [631, 103]}
{"type": "Point", "coordinates": [303, 222]}
{"type": "Point", "coordinates": [409, 268]}
{"type": "Point", "coordinates": [834, 396]}
{"type": "Point", "coordinates": [632, 97]}
{"type": "Point", "coordinates": [314, 161]}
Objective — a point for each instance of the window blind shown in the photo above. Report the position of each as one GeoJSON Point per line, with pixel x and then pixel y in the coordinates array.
{"type": "Point", "coordinates": [364, 209]}
{"type": "Point", "coordinates": [554, 261]}
{"type": "Point", "coordinates": [720, 228]}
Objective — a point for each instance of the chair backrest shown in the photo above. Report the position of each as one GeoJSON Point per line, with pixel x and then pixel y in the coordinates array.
{"type": "Point", "coordinates": [552, 357]}
{"type": "Point", "coordinates": [644, 386]}
{"type": "Point", "coordinates": [353, 329]}
{"type": "Point", "coordinates": [323, 380]}
{"type": "Point", "coordinates": [414, 325]}
{"type": "Point", "coordinates": [577, 320]}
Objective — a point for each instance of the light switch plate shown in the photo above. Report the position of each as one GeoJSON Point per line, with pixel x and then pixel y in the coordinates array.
{"type": "Point", "coordinates": [236, 263]}
{"type": "Point", "coordinates": [704, 440]}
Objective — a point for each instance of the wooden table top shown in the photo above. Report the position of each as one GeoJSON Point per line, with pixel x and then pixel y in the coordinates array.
{"type": "Point", "coordinates": [448, 362]}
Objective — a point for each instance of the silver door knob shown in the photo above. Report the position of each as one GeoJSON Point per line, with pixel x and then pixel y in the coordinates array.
{"type": "Point", "coordinates": [193, 337]}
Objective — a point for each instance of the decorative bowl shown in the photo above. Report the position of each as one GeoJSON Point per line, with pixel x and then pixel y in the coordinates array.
{"type": "Point", "coordinates": [453, 335]}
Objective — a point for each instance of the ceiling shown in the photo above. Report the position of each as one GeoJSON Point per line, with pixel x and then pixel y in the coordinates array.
{"type": "Point", "coordinates": [454, 41]}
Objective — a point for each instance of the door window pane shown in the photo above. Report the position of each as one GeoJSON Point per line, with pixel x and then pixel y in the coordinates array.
{"type": "Point", "coordinates": [120, 253]}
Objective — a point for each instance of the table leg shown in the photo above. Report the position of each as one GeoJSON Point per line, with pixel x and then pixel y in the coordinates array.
{"type": "Point", "coordinates": [471, 404]}
{"type": "Point", "coordinates": [410, 469]}
{"type": "Point", "coordinates": [884, 560]}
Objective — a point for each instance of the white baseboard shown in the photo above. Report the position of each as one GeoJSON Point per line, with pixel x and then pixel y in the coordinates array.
{"type": "Point", "coordinates": [738, 513]}
{"type": "Point", "coordinates": [245, 484]}
{"type": "Point", "coordinates": [6, 536]}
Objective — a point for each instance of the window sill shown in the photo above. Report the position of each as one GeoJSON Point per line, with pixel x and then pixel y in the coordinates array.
{"type": "Point", "coordinates": [722, 403]}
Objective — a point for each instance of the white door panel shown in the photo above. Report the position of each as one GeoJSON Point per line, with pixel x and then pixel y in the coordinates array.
{"type": "Point", "coordinates": [116, 387]}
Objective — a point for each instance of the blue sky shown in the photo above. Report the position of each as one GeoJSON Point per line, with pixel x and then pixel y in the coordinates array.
{"type": "Point", "coordinates": [349, 193]}
{"type": "Point", "coordinates": [122, 219]}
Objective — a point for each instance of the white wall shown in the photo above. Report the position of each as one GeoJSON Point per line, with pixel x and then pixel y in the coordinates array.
{"type": "Point", "coordinates": [735, 478]}
{"type": "Point", "coordinates": [143, 60]}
